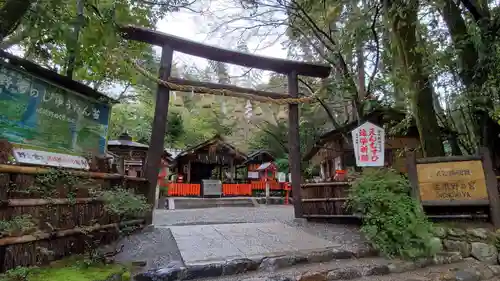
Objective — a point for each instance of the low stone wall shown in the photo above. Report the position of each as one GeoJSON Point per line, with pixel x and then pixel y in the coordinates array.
{"type": "Point", "coordinates": [480, 243]}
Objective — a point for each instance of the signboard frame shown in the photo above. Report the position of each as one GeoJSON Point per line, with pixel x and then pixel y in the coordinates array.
{"type": "Point", "coordinates": [104, 101]}
{"type": "Point", "coordinates": [490, 183]}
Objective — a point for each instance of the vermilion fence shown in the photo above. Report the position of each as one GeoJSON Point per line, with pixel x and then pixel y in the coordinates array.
{"type": "Point", "coordinates": [237, 189]}
{"type": "Point", "coordinates": [183, 189]}
{"type": "Point", "coordinates": [261, 185]}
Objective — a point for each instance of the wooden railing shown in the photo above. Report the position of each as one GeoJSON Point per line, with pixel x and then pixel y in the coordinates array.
{"type": "Point", "coordinates": [326, 200]}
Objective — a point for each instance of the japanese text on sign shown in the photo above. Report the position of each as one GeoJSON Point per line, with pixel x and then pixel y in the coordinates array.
{"type": "Point", "coordinates": [368, 142]}
{"type": "Point", "coordinates": [39, 115]}
{"type": "Point", "coordinates": [462, 180]}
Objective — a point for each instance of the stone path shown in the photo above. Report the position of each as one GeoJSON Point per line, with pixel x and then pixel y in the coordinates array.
{"type": "Point", "coordinates": [346, 235]}
{"type": "Point", "coordinates": [199, 237]}
{"type": "Point", "coordinates": [220, 242]}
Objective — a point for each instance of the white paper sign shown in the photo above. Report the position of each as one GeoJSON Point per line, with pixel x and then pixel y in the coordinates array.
{"type": "Point", "coordinates": [253, 175]}
{"type": "Point", "coordinates": [281, 177]}
{"type": "Point", "coordinates": [44, 158]}
{"type": "Point", "coordinates": [369, 143]}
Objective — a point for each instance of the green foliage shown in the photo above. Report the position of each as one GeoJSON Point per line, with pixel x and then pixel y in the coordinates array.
{"type": "Point", "coordinates": [19, 273]}
{"type": "Point", "coordinates": [17, 226]}
{"type": "Point", "coordinates": [124, 203]}
{"type": "Point", "coordinates": [57, 180]}
{"type": "Point", "coordinates": [71, 268]}
{"type": "Point", "coordinates": [392, 221]}
{"type": "Point", "coordinates": [282, 164]}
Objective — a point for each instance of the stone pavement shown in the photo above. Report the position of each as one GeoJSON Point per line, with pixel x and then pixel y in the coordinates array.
{"type": "Point", "coordinates": [221, 242]}
{"type": "Point", "coordinates": [196, 235]}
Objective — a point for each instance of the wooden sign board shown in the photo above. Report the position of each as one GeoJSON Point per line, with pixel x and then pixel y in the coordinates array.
{"type": "Point", "coordinates": [451, 181]}
{"type": "Point", "coordinates": [461, 184]}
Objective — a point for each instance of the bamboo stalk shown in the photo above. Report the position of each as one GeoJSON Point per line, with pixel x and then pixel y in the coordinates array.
{"type": "Point", "coordinates": [13, 169]}
{"type": "Point", "coordinates": [78, 230]}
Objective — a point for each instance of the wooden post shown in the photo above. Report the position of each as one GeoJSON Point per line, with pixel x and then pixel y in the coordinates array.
{"type": "Point", "coordinates": [232, 170]}
{"type": "Point", "coordinates": [491, 185]}
{"type": "Point", "coordinates": [189, 172]}
{"type": "Point", "coordinates": [293, 144]}
{"type": "Point", "coordinates": [159, 128]}
{"type": "Point", "coordinates": [411, 166]}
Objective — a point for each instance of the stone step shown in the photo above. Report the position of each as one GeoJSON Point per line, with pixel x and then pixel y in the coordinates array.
{"type": "Point", "coordinates": [332, 264]}
{"type": "Point", "coordinates": [366, 269]}
{"type": "Point", "coordinates": [197, 203]}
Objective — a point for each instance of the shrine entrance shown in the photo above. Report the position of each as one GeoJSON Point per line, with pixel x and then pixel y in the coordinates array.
{"type": "Point", "coordinates": [170, 43]}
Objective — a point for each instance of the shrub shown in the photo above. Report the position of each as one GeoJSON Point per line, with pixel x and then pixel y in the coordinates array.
{"type": "Point", "coordinates": [17, 226]}
{"type": "Point", "coordinates": [124, 203]}
{"type": "Point", "coordinates": [392, 220]}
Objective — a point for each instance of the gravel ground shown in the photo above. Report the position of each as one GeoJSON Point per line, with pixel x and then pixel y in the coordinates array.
{"type": "Point", "coordinates": [155, 246]}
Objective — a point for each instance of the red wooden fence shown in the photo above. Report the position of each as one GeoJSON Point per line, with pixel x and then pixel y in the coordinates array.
{"type": "Point", "coordinates": [236, 189]}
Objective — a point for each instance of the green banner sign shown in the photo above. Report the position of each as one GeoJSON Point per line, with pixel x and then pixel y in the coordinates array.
{"type": "Point", "coordinates": [36, 114]}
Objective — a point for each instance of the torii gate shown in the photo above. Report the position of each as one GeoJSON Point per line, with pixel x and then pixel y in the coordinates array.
{"type": "Point", "coordinates": [169, 44]}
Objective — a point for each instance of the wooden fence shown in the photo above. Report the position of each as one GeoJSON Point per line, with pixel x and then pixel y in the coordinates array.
{"type": "Point", "coordinates": [448, 188]}
{"type": "Point", "coordinates": [62, 222]}
{"type": "Point", "coordinates": [325, 200]}
{"type": "Point", "coordinates": [228, 189]}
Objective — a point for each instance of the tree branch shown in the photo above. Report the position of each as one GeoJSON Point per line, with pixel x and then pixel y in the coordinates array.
{"type": "Point", "coordinates": [377, 50]}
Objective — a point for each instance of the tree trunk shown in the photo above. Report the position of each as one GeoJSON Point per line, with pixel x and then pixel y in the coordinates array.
{"type": "Point", "coordinates": [11, 14]}
{"type": "Point", "coordinates": [474, 71]}
{"type": "Point", "coordinates": [403, 17]}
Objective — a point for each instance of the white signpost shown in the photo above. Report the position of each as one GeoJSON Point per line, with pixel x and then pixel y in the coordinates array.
{"type": "Point", "coordinates": [44, 158]}
{"type": "Point", "coordinates": [369, 145]}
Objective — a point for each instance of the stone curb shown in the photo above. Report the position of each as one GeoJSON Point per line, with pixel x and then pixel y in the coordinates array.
{"type": "Point", "coordinates": [177, 271]}
{"type": "Point", "coordinates": [349, 273]}
{"type": "Point", "coordinates": [476, 271]}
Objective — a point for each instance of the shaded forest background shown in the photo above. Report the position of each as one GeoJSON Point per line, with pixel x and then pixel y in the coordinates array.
{"type": "Point", "coordinates": [435, 60]}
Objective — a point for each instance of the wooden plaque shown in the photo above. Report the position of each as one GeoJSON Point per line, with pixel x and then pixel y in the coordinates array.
{"type": "Point", "coordinates": [452, 181]}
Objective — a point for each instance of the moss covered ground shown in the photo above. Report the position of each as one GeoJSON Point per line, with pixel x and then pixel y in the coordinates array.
{"type": "Point", "coordinates": [70, 269]}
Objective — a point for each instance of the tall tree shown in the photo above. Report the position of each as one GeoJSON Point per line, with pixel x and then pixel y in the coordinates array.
{"type": "Point", "coordinates": [403, 20]}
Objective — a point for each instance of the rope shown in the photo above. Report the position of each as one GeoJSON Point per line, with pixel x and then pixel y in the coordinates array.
{"type": "Point", "coordinates": [220, 92]}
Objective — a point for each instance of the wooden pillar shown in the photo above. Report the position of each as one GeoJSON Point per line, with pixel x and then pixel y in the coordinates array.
{"type": "Point", "coordinates": [491, 185]}
{"type": "Point", "coordinates": [189, 172]}
{"type": "Point", "coordinates": [293, 144]}
{"type": "Point", "coordinates": [232, 170]}
{"type": "Point", "coordinates": [159, 128]}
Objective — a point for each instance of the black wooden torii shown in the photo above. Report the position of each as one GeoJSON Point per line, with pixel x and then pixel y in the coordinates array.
{"type": "Point", "coordinates": [169, 44]}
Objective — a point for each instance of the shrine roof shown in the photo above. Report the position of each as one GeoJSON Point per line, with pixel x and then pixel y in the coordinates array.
{"type": "Point", "coordinates": [255, 154]}
{"type": "Point", "coordinates": [379, 116]}
{"type": "Point", "coordinates": [216, 140]}
{"type": "Point", "coordinates": [265, 166]}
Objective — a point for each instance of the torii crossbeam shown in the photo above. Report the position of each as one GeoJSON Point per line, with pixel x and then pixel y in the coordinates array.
{"type": "Point", "coordinates": [170, 43]}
